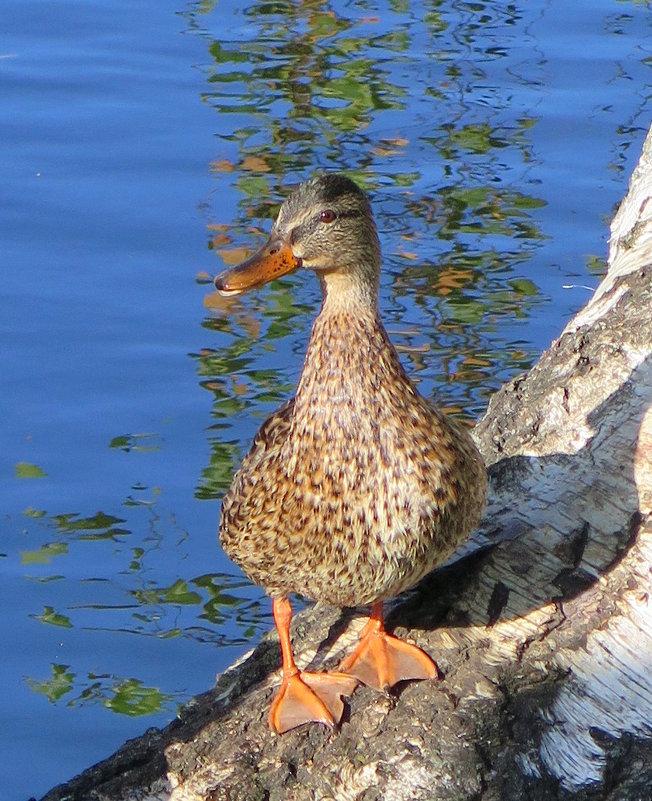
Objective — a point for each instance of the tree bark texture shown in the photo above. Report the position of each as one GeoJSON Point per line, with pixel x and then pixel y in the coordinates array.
{"type": "Point", "coordinates": [541, 627]}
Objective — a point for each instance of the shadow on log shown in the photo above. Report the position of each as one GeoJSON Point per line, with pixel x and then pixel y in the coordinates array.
{"type": "Point", "coordinates": [542, 627]}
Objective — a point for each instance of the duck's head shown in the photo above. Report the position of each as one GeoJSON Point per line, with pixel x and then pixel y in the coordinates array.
{"type": "Point", "coordinates": [325, 225]}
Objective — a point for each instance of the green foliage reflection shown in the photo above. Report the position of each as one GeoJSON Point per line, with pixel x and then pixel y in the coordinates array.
{"type": "Point", "coordinates": [52, 618]}
{"type": "Point", "coordinates": [389, 99]}
{"type": "Point", "coordinates": [131, 697]}
{"type": "Point", "coordinates": [28, 470]}
{"type": "Point", "coordinates": [124, 696]}
{"type": "Point", "coordinates": [110, 590]}
{"type": "Point", "coordinates": [55, 688]}
{"type": "Point", "coordinates": [99, 526]}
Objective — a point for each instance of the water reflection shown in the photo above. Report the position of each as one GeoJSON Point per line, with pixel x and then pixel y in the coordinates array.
{"type": "Point", "coordinates": [119, 592]}
{"type": "Point", "coordinates": [124, 696]}
{"type": "Point", "coordinates": [408, 101]}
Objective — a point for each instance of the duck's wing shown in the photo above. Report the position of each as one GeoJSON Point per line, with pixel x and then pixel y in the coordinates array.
{"type": "Point", "coordinates": [270, 437]}
{"type": "Point", "coordinates": [260, 471]}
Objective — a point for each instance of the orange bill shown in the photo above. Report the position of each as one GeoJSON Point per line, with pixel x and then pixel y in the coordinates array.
{"type": "Point", "coordinates": [272, 261]}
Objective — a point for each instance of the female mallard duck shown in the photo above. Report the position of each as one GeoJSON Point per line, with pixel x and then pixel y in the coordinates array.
{"type": "Point", "coordinates": [357, 487]}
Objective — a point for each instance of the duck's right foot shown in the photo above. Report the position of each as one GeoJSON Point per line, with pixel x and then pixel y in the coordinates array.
{"type": "Point", "coordinates": [310, 697]}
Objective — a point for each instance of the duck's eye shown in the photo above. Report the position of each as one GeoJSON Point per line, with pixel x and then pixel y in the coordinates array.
{"type": "Point", "coordinates": [327, 216]}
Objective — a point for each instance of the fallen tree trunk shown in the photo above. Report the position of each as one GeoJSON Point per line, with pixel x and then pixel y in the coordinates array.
{"type": "Point", "coordinates": [542, 630]}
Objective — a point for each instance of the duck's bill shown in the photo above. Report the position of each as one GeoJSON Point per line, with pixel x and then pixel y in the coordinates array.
{"type": "Point", "coordinates": [271, 261]}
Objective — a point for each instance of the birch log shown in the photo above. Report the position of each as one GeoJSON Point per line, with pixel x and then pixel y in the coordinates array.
{"type": "Point", "coordinates": [542, 627]}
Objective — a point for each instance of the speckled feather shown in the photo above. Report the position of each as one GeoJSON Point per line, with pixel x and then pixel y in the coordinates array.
{"type": "Point", "coordinates": [358, 487]}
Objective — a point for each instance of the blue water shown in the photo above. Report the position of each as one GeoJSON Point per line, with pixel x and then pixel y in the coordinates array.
{"type": "Point", "coordinates": [140, 138]}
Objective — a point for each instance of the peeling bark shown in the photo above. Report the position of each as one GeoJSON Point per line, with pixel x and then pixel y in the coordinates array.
{"type": "Point", "coordinates": [541, 627]}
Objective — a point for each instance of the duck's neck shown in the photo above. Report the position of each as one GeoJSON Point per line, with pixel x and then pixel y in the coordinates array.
{"type": "Point", "coordinates": [355, 289]}
{"type": "Point", "coordinates": [347, 334]}
{"type": "Point", "coordinates": [348, 365]}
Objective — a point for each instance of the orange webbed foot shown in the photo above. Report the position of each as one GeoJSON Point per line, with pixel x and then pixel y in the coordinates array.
{"type": "Point", "coordinates": [310, 697]}
{"type": "Point", "coordinates": [381, 660]}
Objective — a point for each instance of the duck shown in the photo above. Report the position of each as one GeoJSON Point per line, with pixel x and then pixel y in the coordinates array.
{"type": "Point", "coordinates": [357, 487]}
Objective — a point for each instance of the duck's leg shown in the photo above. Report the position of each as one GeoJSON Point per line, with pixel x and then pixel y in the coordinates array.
{"type": "Point", "coordinates": [303, 696]}
{"type": "Point", "coordinates": [380, 660]}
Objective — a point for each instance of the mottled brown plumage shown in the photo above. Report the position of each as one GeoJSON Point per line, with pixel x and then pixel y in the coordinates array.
{"type": "Point", "coordinates": [358, 487]}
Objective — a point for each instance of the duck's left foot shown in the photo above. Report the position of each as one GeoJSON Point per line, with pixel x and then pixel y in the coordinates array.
{"type": "Point", "coordinates": [381, 660]}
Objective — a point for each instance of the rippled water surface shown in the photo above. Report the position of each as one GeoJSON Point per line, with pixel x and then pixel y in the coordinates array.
{"type": "Point", "coordinates": [144, 145]}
